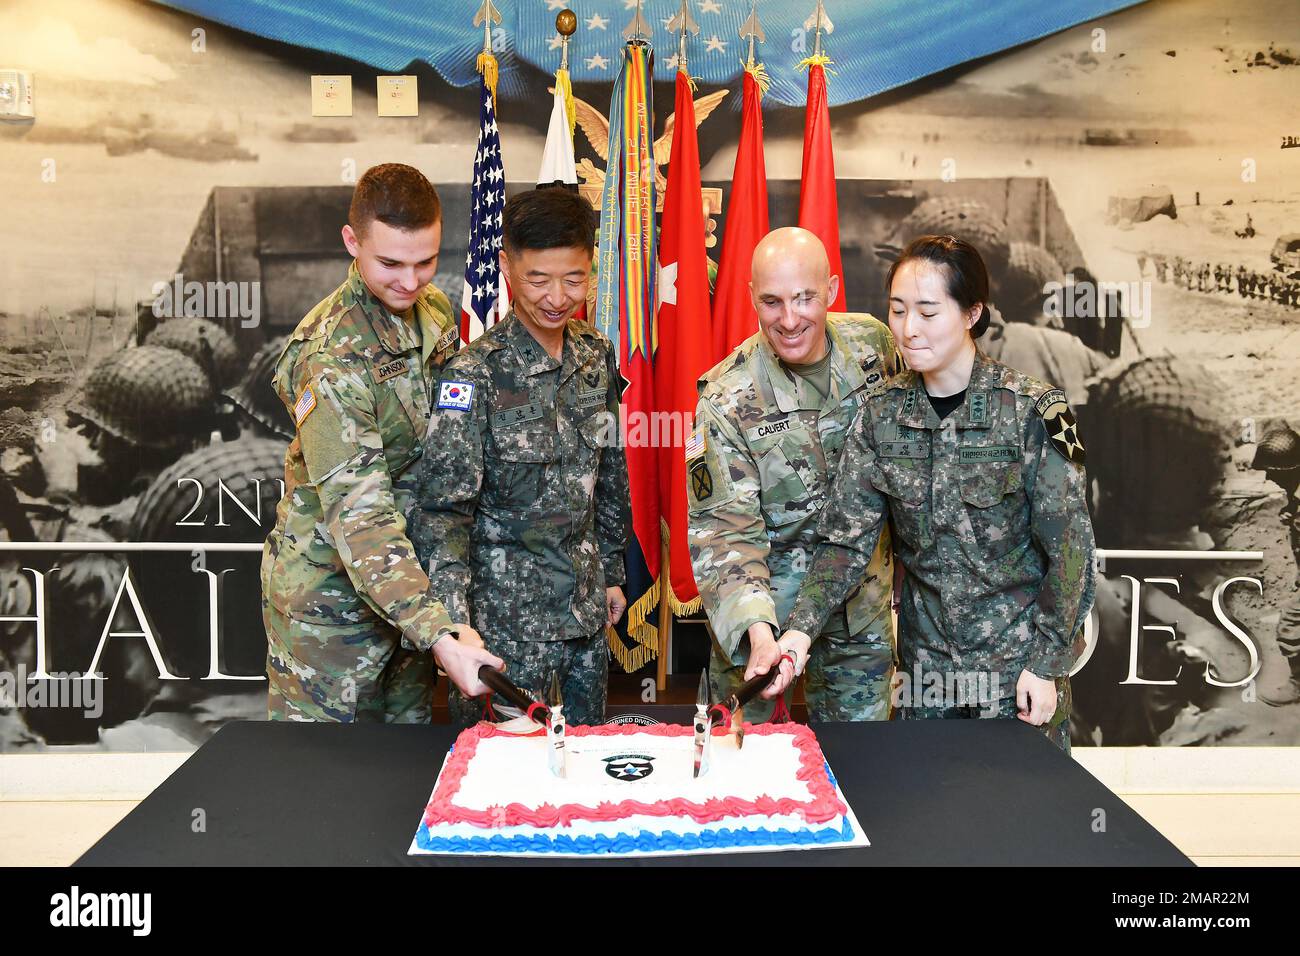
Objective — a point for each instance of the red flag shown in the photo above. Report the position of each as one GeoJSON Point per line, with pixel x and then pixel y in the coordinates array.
{"type": "Point", "coordinates": [734, 319]}
{"type": "Point", "coordinates": [685, 349]}
{"type": "Point", "coordinates": [818, 208]}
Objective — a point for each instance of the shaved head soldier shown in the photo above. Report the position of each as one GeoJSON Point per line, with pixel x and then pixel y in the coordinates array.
{"type": "Point", "coordinates": [771, 420]}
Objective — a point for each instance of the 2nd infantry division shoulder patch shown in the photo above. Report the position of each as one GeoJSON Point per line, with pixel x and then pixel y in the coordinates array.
{"type": "Point", "coordinates": [1061, 426]}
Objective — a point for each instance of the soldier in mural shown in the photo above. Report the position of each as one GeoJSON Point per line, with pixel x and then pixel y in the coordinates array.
{"type": "Point", "coordinates": [522, 511]}
{"type": "Point", "coordinates": [1278, 456]}
{"type": "Point", "coordinates": [351, 628]}
{"type": "Point", "coordinates": [771, 422]}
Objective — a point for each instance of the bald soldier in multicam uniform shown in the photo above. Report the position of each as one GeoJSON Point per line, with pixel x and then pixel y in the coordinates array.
{"type": "Point", "coordinates": [349, 623]}
{"type": "Point", "coordinates": [523, 510]}
{"type": "Point", "coordinates": [980, 470]}
{"type": "Point", "coordinates": [771, 420]}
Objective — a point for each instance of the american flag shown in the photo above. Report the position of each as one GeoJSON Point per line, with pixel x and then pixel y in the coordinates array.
{"type": "Point", "coordinates": [485, 298]}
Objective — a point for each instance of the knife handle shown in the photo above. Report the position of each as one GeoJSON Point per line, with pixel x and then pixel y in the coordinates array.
{"type": "Point", "coordinates": [502, 685]}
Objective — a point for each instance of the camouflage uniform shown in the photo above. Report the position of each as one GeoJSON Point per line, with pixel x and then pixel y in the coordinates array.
{"type": "Point", "coordinates": [991, 523]}
{"type": "Point", "coordinates": [760, 463]}
{"type": "Point", "coordinates": [348, 621]}
{"type": "Point", "coordinates": [523, 509]}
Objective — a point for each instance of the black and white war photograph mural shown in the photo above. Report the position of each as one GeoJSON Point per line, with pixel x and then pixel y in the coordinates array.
{"type": "Point", "coordinates": [172, 197]}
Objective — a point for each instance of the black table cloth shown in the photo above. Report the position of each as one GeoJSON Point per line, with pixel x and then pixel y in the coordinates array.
{"type": "Point", "coordinates": [941, 792]}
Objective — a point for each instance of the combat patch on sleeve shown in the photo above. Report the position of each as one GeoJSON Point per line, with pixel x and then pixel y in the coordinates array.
{"type": "Point", "coordinates": [306, 404]}
{"type": "Point", "coordinates": [457, 395]}
{"type": "Point", "coordinates": [1061, 426]}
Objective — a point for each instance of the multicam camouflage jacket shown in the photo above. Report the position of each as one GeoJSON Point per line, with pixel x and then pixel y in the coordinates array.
{"type": "Point", "coordinates": [523, 508]}
{"type": "Point", "coordinates": [356, 380]}
{"type": "Point", "coordinates": [759, 466]}
{"type": "Point", "coordinates": [990, 520]}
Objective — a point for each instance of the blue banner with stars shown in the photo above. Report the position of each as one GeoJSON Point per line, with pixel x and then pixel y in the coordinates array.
{"type": "Point", "coordinates": [875, 46]}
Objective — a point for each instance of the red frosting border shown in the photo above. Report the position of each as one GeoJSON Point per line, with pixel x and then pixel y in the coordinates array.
{"type": "Point", "coordinates": [823, 806]}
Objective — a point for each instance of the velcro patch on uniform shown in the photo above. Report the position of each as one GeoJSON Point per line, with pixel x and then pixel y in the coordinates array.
{"type": "Point", "coordinates": [519, 413]}
{"type": "Point", "coordinates": [448, 338]}
{"type": "Point", "coordinates": [695, 445]}
{"type": "Point", "coordinates": [768, 429]}
{"type": "Point", "coordinates": [456, 395]}
{"type": "Point", "coordinates": [306, 403]}
{"type": "Point", "coordinates": [904, 449]}
{"type": "Point", "coordinates": [979, 453]}
{"type": "Point", "coordinates": [701, 480]}
{"type": "Point", "coordinates": [978, 404]}
{"type": "Point", "coordinates": [391, 369]}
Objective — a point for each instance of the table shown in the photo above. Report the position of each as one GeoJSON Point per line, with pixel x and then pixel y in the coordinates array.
{"type": "Point", "coordinates": [939, 792]}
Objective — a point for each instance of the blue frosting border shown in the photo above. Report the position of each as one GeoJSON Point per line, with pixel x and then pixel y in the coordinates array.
{"type": "Point", "coordinates": [643, 842]}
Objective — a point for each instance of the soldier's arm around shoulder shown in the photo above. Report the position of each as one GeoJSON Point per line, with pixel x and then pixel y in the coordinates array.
{"type": "Point", "coordinates": [613, 494]}
{"type": "Point", "coordinates": [848, 530]}
{"type": "Point", "coordinates": [451, 478]}
{"type": "Point", "coordinates": [725, 527]}
{"type": "Point", "coordinates": [1057, 486]}
{"type": "Point", "coordinates": [343, 450]}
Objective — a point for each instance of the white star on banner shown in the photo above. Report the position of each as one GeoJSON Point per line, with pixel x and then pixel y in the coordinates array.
{"type": "Point", "coordinates": [555, 42]}
{"type": "Point", "coordinates": [556, 4]}
{"type": "Point", "coordinates": [668, 284]}
{"type": "Point", "coordinates": [597, 22]}
{"type": "Point", "coordinates": [716, 45]}
{"type": "Point", "coordinates": [710, 6]}
{"type": "Point", "coordinates": [629, 4]}
{"type": "Point", "coordinates": [597, 62]}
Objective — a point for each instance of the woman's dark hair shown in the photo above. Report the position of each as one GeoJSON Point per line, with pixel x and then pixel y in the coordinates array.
{"type": "Point", "coordinates": [963, 267]}
{"type": "Point", "coordinates": [548, 218]}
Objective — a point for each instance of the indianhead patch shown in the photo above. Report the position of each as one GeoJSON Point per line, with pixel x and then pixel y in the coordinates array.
{"type": "Point", "coordinates": [630, 767]}
{"type": "Point", "coordinates": [456, 395]}
{"type": "Point", "coordinates": [1061, 426]}
{"type": "Point", "coordinates": [306, 404]}
{"type": "Point", "coordinates": [701, 480]}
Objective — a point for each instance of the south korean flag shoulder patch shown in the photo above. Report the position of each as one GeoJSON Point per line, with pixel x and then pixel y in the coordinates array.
{"type": "Point", "coordinates": [1062, 429]}
{"type": "Point", "coordinates": [456, 395]}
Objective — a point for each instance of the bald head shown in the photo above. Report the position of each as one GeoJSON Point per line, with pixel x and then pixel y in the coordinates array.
{"type": "Point", "coordinates": [792, 287]}
{"type": "Point", "coordinates": [791, 248]}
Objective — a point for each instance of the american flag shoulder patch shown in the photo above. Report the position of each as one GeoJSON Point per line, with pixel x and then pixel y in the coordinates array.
{"type": "Point", "coordinates": [306, 403]}
{"type": "Point", "coordinates": [695, 444]}
{"type": "Point", "coordinates": [456, 395]}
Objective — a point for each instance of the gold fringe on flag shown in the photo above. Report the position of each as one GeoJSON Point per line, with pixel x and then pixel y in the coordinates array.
{"type": "Point", "coordinates": [817, 59]}
{"type": "Point", "coordinates": [759, 72]}
{"type": "Point", "coordinates": [487, 65]}
{"type": "Point", "coordinates": [674, 603]}
{"type": "Point", "coordinates": [641, 631]}
{"type": "Point", "coordinates": [565, 87]}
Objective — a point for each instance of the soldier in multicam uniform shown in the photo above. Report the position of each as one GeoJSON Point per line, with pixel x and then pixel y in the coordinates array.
{"type": "Point", "coordinates": [523, 509]}
{"type": "Point", "coordinates": [979, 467]}
{"type": "Point", "coordinates": [349, 622]}
{"type": "Point", "coordinates": [771, 420]}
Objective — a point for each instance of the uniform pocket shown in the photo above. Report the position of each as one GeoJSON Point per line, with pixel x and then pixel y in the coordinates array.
{"type": "Point", "coordinates": [782, 491]}
{"type": "Point", "coordinates": [908, 491]}
{"type": "Point", "coordinates": [997, 507]}
{"type": "Point", "coordinates": [514, 476]}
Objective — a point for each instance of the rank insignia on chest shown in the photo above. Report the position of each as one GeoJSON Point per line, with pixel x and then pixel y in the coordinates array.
{"type": "Point", "coordinates": [306, 403]}
{"type": "Point", "coordinates": [449, 337]}
{"type": "Point", "coordinates": [456, 395]}
{"type": "Point", "coordinates": [701, 480]}
{"type": "Point", "coordinates": [390, 370]}
{"type": "Point", "coordinates": [1061, 426]}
